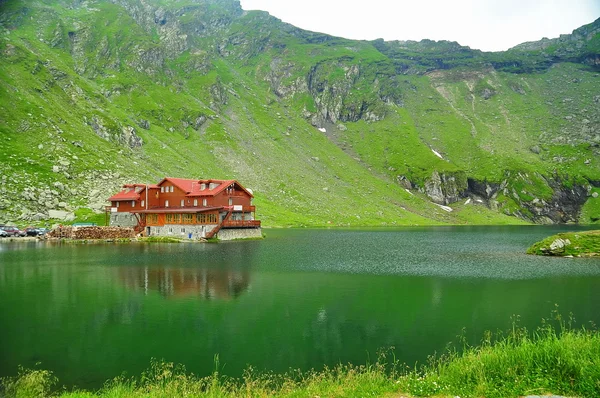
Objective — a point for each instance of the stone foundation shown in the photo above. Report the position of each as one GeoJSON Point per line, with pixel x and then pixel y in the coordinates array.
{"type": "Point", "coordinates": [195, 232]}
{"type": "Point", "coordinates": [122, 220]}
{"type": "Point", "coordinates": [239, 233]}
{"type": "Point", "coordinates": [181, 231]}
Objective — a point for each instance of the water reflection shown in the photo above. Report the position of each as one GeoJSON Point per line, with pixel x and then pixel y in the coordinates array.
{"type": "Point", "coordinates": [208, 284]}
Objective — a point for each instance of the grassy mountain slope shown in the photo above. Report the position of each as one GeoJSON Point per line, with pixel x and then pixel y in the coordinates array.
{"type": "Point", "coordinates": [327, 131]}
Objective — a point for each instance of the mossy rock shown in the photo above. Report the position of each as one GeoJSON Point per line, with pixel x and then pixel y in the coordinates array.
{"type": "Point", "coordinates": [570, 244]}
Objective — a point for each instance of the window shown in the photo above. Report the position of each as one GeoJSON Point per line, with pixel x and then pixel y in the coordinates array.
{"type": "Point", "coordinates": [166, 203]}
{"type": "Point", "coordinates": [182, 230]}
{"type": "Point", "coordinates": [162, 189]}
{"type": "Point", "coordinates": [171, 188]}
{"type": "Point", "coordinates": [143, 203]}
{"type": "Point", "coordinates": [195, 202]}
{"type": "Point", "coordinates": [117, 204]}
{"type": "Point", "coordinates": [133, 203]}
{"type": "Point", "coordinates": [188, 218]}
{"type": "Point", "coordinates": [230, 201]}
{"type": "Point", "coordinates": [206, 219]}
{"type": "Point", "coordinates": [182, 202]}
{"type": "Point", "coordinates": [204, 202]}
{"type": "Point", "coordinates": [173, 219]}
{"type": "Point", "coordinates": [152, 219]}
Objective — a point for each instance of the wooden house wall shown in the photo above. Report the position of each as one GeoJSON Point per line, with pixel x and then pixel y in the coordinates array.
{"type": "Point", "coordinates": [238, 197]}
{"type": "Point", "coordinates": [125, 206]}
{"type": "Point", "coordinates": [153, 197]}
{"type": "Point", "coordinates": [174, 198]}
{"type": "Point", "coordinates": [159, 220]}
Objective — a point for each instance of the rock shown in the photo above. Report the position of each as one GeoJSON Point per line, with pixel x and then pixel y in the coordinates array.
{"type": "Point", "coordinates": [558, 245]}
{"type": "Point", "coordinates": [130, 138]}
{"type": "Point", "coordinates": [445, 188]}
{"type": "Point", "coordinates": [97, 125]}
{"type": "Point", "coordinates": [56, 169]}
{"type": "Point", "coordinates": [144, 124]}
{"type": "Point", "coordinates": [535, 149]}
{"type": "Point", "coordinates": [38, 217]}
{"type": "Point", "coordinates": [487, 93]}
{"type": "Point", "coordinates": [595, 195]}
{"type": "Point", "coordinates": [200, 120]}
{"type": "Point", "coordinates": [61, 215]}
{"type": "Point", "coordinates": [405, 182]}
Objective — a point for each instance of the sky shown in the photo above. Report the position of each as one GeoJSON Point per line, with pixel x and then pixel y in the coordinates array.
{"type": "Point", "coordinates": [489, 25]}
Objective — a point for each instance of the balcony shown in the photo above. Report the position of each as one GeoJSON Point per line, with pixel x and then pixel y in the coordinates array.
{"type": "Point", "coordinates": [241, 224]}
{"type": "Point", "coordinates": [240, 208]}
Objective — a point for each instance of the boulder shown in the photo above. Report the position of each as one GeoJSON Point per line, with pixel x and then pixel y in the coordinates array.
{"type": "Point", "coordinates": [61, 215]}
{"type": "Point", "coordinates": [557, 247]}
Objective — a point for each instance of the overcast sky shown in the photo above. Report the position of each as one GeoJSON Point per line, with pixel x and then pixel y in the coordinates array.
{"type": "Point", "coordinates": [489, 25]}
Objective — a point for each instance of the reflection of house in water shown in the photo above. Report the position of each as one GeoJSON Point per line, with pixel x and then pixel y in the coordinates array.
{"type": "Point", "coordinates": [205, 283]}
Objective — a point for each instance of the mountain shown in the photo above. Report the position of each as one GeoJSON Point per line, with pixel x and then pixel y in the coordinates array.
{"type": "Point", "coordinates": [325, 130]}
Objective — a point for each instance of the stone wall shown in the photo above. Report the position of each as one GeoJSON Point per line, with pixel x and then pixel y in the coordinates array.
{"type": "Point", "coordinates": [239, 233]}
{"type": "Point", "coordinates": [182, 231]}
{"type": "Point", "coordinates": [122, 220]}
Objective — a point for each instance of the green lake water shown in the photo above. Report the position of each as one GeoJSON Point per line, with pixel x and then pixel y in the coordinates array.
{"type": "Point", "coordinates": [298, 299]}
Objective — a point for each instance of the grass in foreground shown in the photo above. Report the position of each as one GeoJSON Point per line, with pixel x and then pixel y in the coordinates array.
{"type": "Point", "coordinates": [555, 358]}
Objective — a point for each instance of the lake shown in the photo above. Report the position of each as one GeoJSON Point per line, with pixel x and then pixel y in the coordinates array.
{"type": "Point", "coordinates": [301, 298]}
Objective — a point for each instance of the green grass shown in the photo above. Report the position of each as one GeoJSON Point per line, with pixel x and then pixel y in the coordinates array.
{"type": "Point", "coordinates": [590, 213]}
{"type": "Point", "coordinates": [556, 358]}
{"type": "Point", "coordinates": [85, 215]}
{"type": "Point", "coordinates": [581, 244]}
{"type": "Point", "coordinates": [116, 73]}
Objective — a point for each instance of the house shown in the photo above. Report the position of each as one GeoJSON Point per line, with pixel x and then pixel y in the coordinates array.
{"type": "Point", "coordinates": [186, 208]}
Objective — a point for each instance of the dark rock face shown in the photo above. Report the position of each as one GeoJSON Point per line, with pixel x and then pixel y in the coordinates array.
{"type": "Point", "coordinates": [563, 207]}
{"type": "Point", "coordinates": [482, 189]}
{"type": "Point", "coordinates": [566, 203]}
{"type": "Point", "coordinates": [446, 188]}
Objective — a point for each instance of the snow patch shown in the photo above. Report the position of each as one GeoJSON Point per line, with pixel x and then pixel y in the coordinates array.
{"type": "Point", "coordinates": [322, 129]}
{"type": "Point", "coordinates": [436, 153]}
{"type": "Point", "coordinates": [408, 191]}
{"type": "Point", "coordinates": [445, 208]}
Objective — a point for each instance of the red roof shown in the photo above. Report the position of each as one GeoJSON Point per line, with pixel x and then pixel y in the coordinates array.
{"type": "Point", "coordinates": [210, 192]}
{"type": "Point", "coordinates": [182, 183]}
{"type": "Point", "coordinates": [189, 186]}
{"type": "Point", "coordinates": [124, 196]}
{"type": "Point", "coordinates": [192, 187]}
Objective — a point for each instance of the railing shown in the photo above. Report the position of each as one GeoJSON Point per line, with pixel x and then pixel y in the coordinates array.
{"type": "Point", "coordinates": [245, 209]}
{"type": "Point", "coordinates": [241, 224]}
